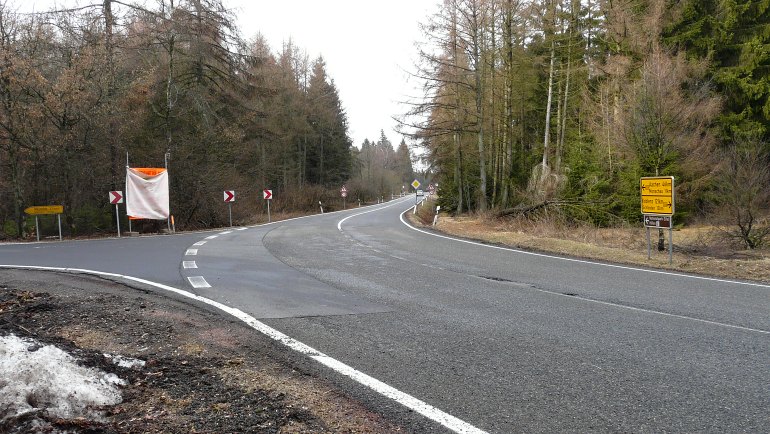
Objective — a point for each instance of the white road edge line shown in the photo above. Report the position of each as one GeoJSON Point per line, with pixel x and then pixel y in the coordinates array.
{"type": "Point", "coordinates": [189, 264]}
{"type": "Point", "coordinates": [607, 303]}
{"type": "Point", "coordinates": [198, 282]}
{"type": "Point", "coordinates": [583, 261]}
{"type": "Point", "coordinates": [339, 223]}
{"type": "Point", "coordinates": [418, 406]}
{"type": "Point", "coordinates": [673, 315]}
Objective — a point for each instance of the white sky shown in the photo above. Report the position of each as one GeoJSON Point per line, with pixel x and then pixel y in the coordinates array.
{"type": "Point", "coordinates": [368, 47]}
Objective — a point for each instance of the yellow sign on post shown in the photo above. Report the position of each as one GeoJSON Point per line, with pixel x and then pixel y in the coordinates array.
{"type": "Point", "coordinates": [45, 209]}
{"type": "Point", "coordinates": [657, 195]}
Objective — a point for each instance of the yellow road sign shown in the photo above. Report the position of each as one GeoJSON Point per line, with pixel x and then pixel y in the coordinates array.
{"type": "Point", "coordinates": [657, 195]}
{"type": "Point", "coordinates": [46, 209]}
{"type": "Point", "coordinates": [416, 183]}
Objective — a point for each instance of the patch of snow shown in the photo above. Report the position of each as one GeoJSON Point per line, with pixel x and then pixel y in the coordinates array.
{"type": "Point", "coordinates": [124, 362]}
{"type": "Point", "coordinates": [36, 377]}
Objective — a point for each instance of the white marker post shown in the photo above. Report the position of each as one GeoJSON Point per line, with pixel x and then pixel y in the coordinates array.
{"type": "Point", "coordinates": [435, 218]}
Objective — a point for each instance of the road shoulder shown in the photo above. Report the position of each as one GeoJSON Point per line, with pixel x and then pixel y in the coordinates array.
{"type": "Point", "coordinates": [203, 371]}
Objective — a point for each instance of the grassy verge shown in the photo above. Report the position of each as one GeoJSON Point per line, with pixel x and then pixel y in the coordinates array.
{"type": "Point", "coordinates": [697, 249]}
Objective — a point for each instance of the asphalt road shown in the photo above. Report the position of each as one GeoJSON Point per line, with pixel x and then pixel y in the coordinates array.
{"type": "Point", "coordinates": [504, 340]}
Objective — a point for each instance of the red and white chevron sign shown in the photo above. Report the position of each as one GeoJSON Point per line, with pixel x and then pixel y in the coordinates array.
{"type": "Point", "coordinates": [229, 195]}
{"type": "Point", "coordinates": [267, 194]}
{"type": "Point", "coordinates": [116, 197]}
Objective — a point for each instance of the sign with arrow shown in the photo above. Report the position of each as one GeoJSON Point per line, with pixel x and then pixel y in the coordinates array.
{"type": "Point", "coordinates": [657, 195]}
{"type": "Point", "coordinates": [229, 196]}
{"type": "Point", "coordinates": [116, 197]}
{"type": "Point", "coordinates": [657, 221]}
{"type": "Point", "coordinates": [44, 209]}
{"type": "Point", "coordinates": [267, 194]}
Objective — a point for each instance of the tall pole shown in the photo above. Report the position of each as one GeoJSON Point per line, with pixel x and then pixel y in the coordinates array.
{"type": "Point", "coordinates": [165, 160]}
{"type": "Point", "coordinates": [230, 209]}
{"type": "Point", "coordinates": [268, 211]}
{"type": "Point", "coordinates": [128, 217]}
{"type": "Point", "coordinates": [117, 218]}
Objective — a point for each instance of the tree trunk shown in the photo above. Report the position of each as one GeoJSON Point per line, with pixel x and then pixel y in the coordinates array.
{"type": "Point", "coordinates": [478, 71]}
{"type": "Point", "coordinates": [459, 178]}
{"type": "Point", "coordinates": [547, 134]}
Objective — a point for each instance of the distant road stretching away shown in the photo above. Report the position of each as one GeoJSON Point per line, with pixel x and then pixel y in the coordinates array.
{"type": "Point", "coordinates": [493, 339]}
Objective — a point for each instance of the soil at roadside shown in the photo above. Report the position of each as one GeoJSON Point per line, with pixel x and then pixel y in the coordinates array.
{"type": "Point", "coordinates": [204, 372]}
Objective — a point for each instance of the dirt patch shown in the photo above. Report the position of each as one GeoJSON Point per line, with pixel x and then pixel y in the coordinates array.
{"type": "Point", "coordinates": [203, 372]}
{"type": "Point", "coordinates": [697, 249]}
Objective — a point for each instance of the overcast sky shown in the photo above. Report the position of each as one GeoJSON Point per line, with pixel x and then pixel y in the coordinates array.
{"type": "Point", "coordinates": [368, 47]}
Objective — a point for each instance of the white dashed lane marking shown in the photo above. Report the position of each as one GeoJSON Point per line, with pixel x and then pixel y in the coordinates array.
{"type": "Point", "coordinates": [198, 282]}
{"type": "Point", "coordinates": [189, 264]}
{"type": "Point", "coordinates": [200, 243]}
{"type": "Point", "coordinates": [191, 252]}
{"type": "Point", "coordinates": [211, 237]}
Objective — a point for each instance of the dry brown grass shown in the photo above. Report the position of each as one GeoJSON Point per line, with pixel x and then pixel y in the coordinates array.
{"type": "Point", "coordinates": [697, 249]}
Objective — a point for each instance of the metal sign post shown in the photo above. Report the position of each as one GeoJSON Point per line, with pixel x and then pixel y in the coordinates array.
{"type": "Point", "coordinates": [649, 247]}
{"type": "Point", "coordinates": [268, 196]}
{"type": "Point", "coordinates": [230, 198]}
{"type": "Point", "coordinates": [115, 198]}
{"type": "Point", "coordinates": [117, 218]}
{"type": "Point", "coordinates": [416, 184]}
{"type": "Point", "coordinates": [45, 210]}
{"type": "Point", "coordinates": [658, 204]}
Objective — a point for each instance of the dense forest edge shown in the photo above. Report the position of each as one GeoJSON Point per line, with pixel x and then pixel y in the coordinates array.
{"type": "Point", "coordinates": [86, 91]}
{"type": "Point", "coordinates": [529, 106]}
{"type": "Point", "coordinates": [561, 106]}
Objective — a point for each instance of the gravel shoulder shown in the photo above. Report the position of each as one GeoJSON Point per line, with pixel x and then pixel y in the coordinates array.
{"type": "Point", "coordinates": [204, 372]}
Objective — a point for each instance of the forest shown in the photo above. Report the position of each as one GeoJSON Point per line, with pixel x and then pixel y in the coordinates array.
{"type": "Point", "coordinates": [527, 105]}
{"type": "Point", "coordinates": [86, 91]}
{"type": "Point", "coordinates": [565, 104]}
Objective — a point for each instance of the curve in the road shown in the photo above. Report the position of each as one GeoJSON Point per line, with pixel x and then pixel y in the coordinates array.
{"type": "Point", "coordinates": [447, 420]}
{"type": "Point", "coordinates": [622, 267]}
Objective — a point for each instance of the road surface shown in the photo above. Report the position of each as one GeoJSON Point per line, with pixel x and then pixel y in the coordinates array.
{"type": "Point", "coordinates": [502, 340]}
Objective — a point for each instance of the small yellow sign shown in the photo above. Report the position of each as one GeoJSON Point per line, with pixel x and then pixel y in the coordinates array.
{"type": "Point", "coordinates": [416, 183]}
{"type": "Point", "coordinates": [45, 209]}
{"type": "Point", "coordinates": [657, 195]}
